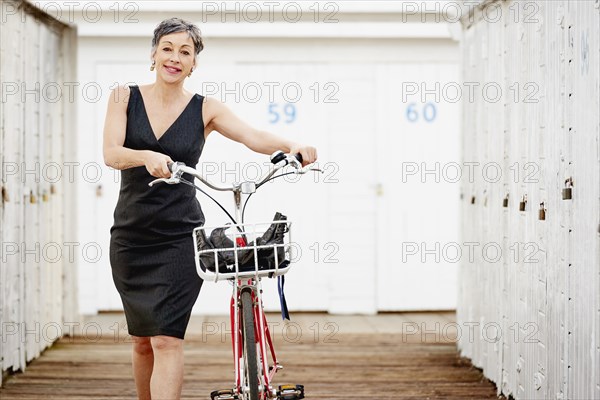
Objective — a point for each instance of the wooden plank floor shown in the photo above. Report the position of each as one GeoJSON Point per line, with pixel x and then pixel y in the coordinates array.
{"type": "Point", "coordinates": [335, 357]}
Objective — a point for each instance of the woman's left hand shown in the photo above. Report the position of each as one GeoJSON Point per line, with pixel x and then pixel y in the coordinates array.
{"type": "Point", "coordinates": [309, 153]}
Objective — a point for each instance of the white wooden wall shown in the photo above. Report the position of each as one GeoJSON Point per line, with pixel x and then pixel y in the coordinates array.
{"type": "Point", "coordinates": [535, 313]}
{"type": "Point", "coordinates": [37, 293]}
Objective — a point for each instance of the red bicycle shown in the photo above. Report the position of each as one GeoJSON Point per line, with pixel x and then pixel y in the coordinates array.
{"type": "Point", "coordinates": [243, 254]}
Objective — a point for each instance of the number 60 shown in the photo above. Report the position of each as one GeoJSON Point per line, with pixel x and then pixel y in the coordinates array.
{"type": "Point", "coordinates": [429, 112]}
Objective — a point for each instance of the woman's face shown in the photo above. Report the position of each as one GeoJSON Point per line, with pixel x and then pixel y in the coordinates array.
{"type": "Point", "coordinates": [174, 56]}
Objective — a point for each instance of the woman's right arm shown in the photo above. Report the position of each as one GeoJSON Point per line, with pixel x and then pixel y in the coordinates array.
{"type": "Point", "coordinates": [115, 154]}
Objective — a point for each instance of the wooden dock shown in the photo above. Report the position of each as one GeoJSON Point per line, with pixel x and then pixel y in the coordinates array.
{"type": "Point", "coordinates": [335, 357]}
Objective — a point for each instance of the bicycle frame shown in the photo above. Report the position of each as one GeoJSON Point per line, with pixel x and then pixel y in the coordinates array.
{"type": "Point", "coordinates": [261, 329]}
{"type": "Point", "coordinates": [262, 334]}
{"type": "Point", "coordinates": [243, 281]}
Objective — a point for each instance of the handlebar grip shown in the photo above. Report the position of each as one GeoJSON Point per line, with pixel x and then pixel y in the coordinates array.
{"type": "Point", "coordinates": [277, 156]}
{"type": "Point", "coordinates": [280, 156]}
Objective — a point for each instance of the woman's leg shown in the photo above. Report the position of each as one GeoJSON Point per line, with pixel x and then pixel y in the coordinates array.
{"type": "Point", "coordinates": [143, 362]}
{"type": "Point", "coordinates": [167, 376]}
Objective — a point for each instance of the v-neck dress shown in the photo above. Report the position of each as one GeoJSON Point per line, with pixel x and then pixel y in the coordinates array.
{"type": "Point", "coordinates": [151, 247]}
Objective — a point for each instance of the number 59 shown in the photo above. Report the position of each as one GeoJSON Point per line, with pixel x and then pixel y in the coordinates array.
{"type": "Point", "coordinates": [289, 112]}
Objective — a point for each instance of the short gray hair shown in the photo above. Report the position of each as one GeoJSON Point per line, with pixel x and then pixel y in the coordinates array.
{"type": "Point", "coordinates": [174, 25]}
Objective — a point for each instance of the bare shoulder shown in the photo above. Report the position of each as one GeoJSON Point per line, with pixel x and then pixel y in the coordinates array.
{"type": "Point", "coordinates": [211, 105]}
{"type": "Point", "coordinates": [211, 108]}
{"type": "Point", "coordinates": [120, 96]}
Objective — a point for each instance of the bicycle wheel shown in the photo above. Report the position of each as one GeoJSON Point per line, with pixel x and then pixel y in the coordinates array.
{"type": "Point", "coordinates": [250, 357]}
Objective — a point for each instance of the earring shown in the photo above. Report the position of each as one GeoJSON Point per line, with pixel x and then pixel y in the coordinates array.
{"type": "Point", "coordinates": [190, 74]}
{"type": "Point", "coordinates": [152, 66]}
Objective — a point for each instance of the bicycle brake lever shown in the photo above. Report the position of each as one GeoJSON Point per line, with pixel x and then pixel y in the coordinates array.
{"type": "Point", "coordinates": [170, 181]}
{"type": "Point", "coordinates": [303, 171]}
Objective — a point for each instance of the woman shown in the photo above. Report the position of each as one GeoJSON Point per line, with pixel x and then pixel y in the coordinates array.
{"type": "Point", "coordinates": [151, 250]}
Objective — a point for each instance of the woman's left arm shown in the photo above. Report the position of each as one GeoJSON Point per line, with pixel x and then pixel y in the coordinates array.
{"type": "Point", "coordinates": [221, 119]}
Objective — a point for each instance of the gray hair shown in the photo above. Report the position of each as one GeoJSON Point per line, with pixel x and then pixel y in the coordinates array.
{"type": "Point", "coordinates": [174, 25]}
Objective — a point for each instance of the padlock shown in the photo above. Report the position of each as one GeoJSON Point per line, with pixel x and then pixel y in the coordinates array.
{"type": "Point", "coordinates": [523, 203]}
{"type": "Point", "coordinates": [567, 192]}
{"type": "Point", "coordinates": [5, 197]}
{"type": "Point", "coordinates": [472, 199]}
{"type": "Point", "coordinates": [32, 198]}
{"type": "Point", "coordinates": [45, 196]}
{"type": "Point", "coordinates": [505, 201]}
{"type": "Point", "coordinates": [99, 191]}
{"type": "Point", "coordinates": [542, 212]}
{"type": "Point", "coordinates": [52, 189]}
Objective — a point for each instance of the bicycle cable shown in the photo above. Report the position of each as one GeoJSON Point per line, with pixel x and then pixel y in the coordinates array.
{"type": "Point", "coordinates": [210, 197]}
{"type": "Point", "coordinates": [270, 179]}
{"type": "Point", "coordinates": [240, 230]}
{"type": "Point", "coordinates": [182, 180]}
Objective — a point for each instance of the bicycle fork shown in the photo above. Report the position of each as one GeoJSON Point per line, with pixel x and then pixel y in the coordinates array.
{"type": "Point", "coordinates": [263, 339]}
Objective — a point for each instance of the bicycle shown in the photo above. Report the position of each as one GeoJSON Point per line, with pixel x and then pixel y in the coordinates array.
{"type": "Point", "coordinates": [243, 261]}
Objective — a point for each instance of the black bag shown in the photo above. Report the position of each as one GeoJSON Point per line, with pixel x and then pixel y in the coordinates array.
{"type": "Point", "coordinates": [226, 259]}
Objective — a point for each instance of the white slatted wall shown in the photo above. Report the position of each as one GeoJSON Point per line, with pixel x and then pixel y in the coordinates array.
{"type": "Point", "coordinates": [535, 313]}
{"type": "Point", "coordinates": [37, 293]}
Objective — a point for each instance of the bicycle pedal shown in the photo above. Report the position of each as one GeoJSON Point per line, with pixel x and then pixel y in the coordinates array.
{"type": "Point", "coordinates": [290, 392]}
{"type": "Point", "coordinates": [225, 394]}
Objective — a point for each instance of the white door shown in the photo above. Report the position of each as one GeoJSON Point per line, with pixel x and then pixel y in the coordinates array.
{"type": "Point", "coordinates": [418, 160]}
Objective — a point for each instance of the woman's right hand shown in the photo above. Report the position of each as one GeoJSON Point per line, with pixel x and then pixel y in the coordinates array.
{"type": "Point", "coordinates": [156, 164]}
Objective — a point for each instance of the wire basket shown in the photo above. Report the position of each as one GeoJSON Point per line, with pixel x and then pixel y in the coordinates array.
{"type": "Point", "coordinates": [243, 250]}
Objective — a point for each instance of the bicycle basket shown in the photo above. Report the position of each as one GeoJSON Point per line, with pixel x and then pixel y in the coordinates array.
{"type": "Point", "coordinates": [233, 251]}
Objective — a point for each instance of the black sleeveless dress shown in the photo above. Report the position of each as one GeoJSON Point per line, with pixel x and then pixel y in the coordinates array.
{"type": "Point", "coordinates": [151, 247]}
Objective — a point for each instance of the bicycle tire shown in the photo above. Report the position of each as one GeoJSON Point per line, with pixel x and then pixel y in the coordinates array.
{"type": "Point", "coordinates": [249, 351]}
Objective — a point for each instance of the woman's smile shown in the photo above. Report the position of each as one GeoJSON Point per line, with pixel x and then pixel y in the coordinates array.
{"type": "Point", "coordinates": [172, 70]}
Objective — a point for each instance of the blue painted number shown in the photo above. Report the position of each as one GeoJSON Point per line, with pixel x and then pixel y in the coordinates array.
{"type": "Point", "coordinates": [429, 112]}
{"type": "Point", "coordinates": [287, 114]}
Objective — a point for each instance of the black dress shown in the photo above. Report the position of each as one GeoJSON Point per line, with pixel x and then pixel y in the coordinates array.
{"type": "Point", "coordinates": [151, 247]}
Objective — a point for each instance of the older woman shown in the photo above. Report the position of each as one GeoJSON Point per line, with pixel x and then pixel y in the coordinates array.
{"type": "Point", "coordinates": [151, 250]}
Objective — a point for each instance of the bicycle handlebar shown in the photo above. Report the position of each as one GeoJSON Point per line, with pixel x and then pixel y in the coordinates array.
{"type": "Point", "coordinates": [279, 159]}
